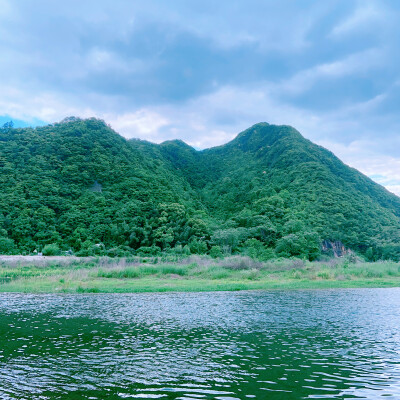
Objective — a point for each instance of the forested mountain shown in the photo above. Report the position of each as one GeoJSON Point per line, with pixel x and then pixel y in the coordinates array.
{"type": "Point", "coordinates": [80, 185]}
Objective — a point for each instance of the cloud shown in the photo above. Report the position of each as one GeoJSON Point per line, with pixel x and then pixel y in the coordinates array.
{"type": "Point", "coordinates": [368, 14]}
{"type": "Point", "coordinates": [394, 189]}
{"type": "Point", "coordinates": [142, 123]}
{"type": "Point", "coordinates": [361, 155]}
{"type": "Point", "coordinates": [202, 72]}
{"type": "Point", "coordinates": [354, 64]}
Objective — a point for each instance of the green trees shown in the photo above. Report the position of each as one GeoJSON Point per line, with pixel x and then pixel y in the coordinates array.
{"type": "Point", "coordinates": [78, 185]}
{"type": "Point", "coordinates": [302, 245]}
{"type": "Point", "coordinates": [257, 250]}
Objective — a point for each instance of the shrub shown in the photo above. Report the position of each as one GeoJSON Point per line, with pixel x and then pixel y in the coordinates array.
{"type": "Point", "coordinates": [81, 289]}
{"type": "Point", "coordinates": [324, 275]}
{"type": "Point", "coordinates": [256, 250]}
{"type": "Point", "coordinates": [129, 272]}
{"type": "Point", "coordinates": [51, 250]}
{"type": "Point", "coordinates": [240, 263]}
{"type": "Point", "coordinates": [118, 252]}
{"type": "Point", "coordinates": [296, 274]}
{"type": "Point", "coordinates": [198, 246]}
{"type": "Point", "coordinates": [252, 274]}
{"type": "Point", "coordinates": [148, 251]}
{"type": "Point", "coordinates": [7, 246]}
{"type": "Point", "coordinates": [173, 270]}
{"type": "Point", "coordinates": [352, 257]}
{"type": "Point", "coordinates": [296, 263]}
{"type": "Point", "coordinates": [186, 250]}
{"type": "Point", "coordinates": [216, 252]}
{"type": "Point", "coordinates": [217, 273]}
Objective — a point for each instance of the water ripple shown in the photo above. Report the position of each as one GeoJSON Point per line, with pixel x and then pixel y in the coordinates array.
{"type": "Point", "coordinates": [323, 344]}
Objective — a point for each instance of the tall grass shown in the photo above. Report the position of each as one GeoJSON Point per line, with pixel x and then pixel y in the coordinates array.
{"type": "Point", "coordinates": [141, 271]}
{"type": "Point", "coordinates": [361, 270]}
{"type": "Point", "coordinates": [196, 273]}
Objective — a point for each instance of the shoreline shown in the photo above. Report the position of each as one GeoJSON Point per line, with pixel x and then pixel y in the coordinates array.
{"type": "Point", "coordinates": [155, 285]}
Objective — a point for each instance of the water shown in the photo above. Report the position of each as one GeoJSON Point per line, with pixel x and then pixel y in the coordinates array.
{"type": "Point", "coordinates": [321, 344]}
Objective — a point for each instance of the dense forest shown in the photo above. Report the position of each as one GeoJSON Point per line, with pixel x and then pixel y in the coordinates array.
{"type": "Point", "coordinates": [79, 187]}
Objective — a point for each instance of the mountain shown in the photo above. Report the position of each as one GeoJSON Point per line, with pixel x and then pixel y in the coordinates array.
{"type": "Point", "coordinates": [78, 183]}
{"type": "Point", "coordinates": [268, 192]}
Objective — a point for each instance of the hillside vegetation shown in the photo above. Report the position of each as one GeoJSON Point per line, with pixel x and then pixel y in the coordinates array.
{"type": "Point", "coordinates": [78, 186]}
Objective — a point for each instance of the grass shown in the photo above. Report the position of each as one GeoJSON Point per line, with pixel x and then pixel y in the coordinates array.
{"type": "Point", "coordinates": [193, 274]}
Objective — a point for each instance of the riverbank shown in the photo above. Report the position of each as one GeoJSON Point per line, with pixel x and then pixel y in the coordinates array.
{"type": "Point", "coordinates": [190, 275]}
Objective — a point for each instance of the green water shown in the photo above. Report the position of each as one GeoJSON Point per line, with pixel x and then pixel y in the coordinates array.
{"type": "Point", "coordinates": [328, 344]}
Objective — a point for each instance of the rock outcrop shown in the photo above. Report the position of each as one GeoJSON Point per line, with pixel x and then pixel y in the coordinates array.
{"type": "Point", "coordinates": [335, 249]}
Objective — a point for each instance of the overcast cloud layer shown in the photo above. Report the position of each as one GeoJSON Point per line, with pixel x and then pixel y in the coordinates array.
{"type": "Point", "coordinates": [204, 71]}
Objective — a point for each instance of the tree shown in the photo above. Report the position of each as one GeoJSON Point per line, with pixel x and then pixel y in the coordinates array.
{"type": "Point", "coordinates": [7, 126]}
{"type": "Point", "coordinates": [7, 245]}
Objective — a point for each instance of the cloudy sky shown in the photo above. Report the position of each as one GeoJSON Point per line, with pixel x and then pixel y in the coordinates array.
{"type": "Point", "coordinates": [202, 71]}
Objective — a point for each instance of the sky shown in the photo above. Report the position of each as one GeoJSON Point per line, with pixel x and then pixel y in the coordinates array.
{"type": "Point", "coordinates": [203, 71]}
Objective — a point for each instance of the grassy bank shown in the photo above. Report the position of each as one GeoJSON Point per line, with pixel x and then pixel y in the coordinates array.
{"type": "Point", "coordinates": [191, 274]}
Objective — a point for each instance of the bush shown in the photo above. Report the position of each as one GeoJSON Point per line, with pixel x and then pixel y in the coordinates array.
{"type": "Point", "coordinates": [148, 251]}
{"type": "Point", "coordinates": [217, 273]}
{"type": "Point", "coordinates": [178, 249]}
{"type": "Point", "coordinates": [129, 272]}
{"type": "Point", "coordinates": [7, 246]}
{"type": "Point", "coordinates": [251, 274]}
{"type": "Point", "coordinates": [51, 250]}
{"type": "Point", "coordinates": [324, 274]}
{"type": "Point", "coordinates": [198, 246]}
{"type": "Point", "coordinates": [256, 250]}
{"type": "Point", "coordinates": [296, 274]}
{"type": "Point", "coordinates": [216, 252]}
{"type": "Point", "coordinates": [297, 263]}
{"type": "Point", "coordinates": [120, 251]}
{"type": "Point", "coordinates": [240, 263]}
{"type": "Point", "coordinates": [186, 250]}
{"type": "Point", "coordinates": [81, 289]}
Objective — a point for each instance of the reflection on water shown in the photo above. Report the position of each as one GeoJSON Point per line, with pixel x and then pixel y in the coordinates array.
{"type": "Point", "coordinates": [267, 345]}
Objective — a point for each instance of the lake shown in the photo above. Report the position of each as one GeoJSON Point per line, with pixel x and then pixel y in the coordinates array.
{"type": "Point", "coordinates": [305, 344]}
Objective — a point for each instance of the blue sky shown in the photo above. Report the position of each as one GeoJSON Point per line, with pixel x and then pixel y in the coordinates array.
{"type": "Point", "coordinates": [202, 71]}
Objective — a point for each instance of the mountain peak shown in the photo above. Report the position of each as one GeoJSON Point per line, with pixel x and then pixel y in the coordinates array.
{"type": "Point", "coordinates": [176, 142]}
{"type": "Point", "coordinates": [264, 134]}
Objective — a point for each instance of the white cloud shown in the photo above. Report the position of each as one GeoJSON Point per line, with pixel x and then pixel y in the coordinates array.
{"type": "Point", "coordinates": [361, 155]}
{"type": "Point", "coordinates": [354, 64]}
{"type": "Point", "coordinates": [102, 60]}
{"type": "Point", "coordinates": [394, 189]}
{"type": "Point", "coordinates": [144, 124]}
{"type": "Point", "coordinates": [213, 138]}
{"type": "Point", "coordinates": [366, 14]}
{"type": "Point", "coordinates": [48, 107]}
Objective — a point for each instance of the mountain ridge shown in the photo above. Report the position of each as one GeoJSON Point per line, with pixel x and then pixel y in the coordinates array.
{"type": "Point", "coordinates": [268, 187]}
